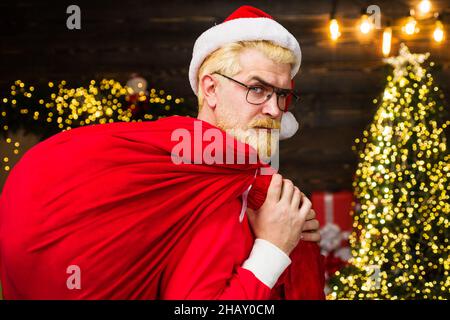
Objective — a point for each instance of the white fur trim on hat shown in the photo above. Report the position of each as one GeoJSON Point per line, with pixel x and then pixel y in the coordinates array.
{"type": "Point", "coordinates": [242, 29]}
{"type": "Point", "coordinates": [289, 125]}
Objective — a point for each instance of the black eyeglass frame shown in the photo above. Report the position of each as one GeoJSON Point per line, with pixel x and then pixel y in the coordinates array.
{"type": "Point", "coordinates": [277, 91]}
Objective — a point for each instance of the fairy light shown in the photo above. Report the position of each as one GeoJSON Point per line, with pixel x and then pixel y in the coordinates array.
{"type": "Point", "coordinates": [424, 7]}
{"type": "Point", "coordinates": [102, 102]}
{"type": "Point", "coordinates": [438, 33]}
{"type": "Point", "coordinates": [402, 184]}
{"type": "Point", "coordinates": [387, 39]}
{"type": "Point", "coordinates": [334, 29]}
{"type": "Point", "coordinates": [410, 26]}
{"type": "Point", "coordinates": [365, 25]}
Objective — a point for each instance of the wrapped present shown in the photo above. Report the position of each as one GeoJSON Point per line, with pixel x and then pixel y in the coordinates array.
{"type": "Point", "coordinates": [334, 214]}
{"type": "Point", "coordinates": [333, 208]}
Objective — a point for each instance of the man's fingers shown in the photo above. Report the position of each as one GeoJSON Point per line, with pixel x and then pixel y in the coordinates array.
{"type": "Point", "coordinates": [305, 206]}
{"type": "Point", "coordinates": [311, 215]}
{"type": "Point", "coordinates": [287, 191]}
{"type": "Point", "coordinates": [311, 236]}
{"type": "Point", "coordinates": [274, 191]}
{"type": "Point", "coordinates": [296, 199]}
{"type": "Point", "coordinates": [311, 225]}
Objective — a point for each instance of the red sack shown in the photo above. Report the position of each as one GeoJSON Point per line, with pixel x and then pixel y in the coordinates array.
{"type": "Point", "coordinates": [110, 200]}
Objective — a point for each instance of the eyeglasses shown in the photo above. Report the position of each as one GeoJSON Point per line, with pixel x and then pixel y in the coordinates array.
{"type": "Point", "coordinates": [260, 93]}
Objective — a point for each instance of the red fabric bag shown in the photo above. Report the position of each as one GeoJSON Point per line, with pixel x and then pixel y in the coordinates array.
{"type": "Point", "coordinates": [110, 200]}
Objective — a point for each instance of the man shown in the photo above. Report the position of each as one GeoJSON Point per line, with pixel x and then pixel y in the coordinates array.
{"type": "Point", "coordinates": [104, 212]}
{"type": "Point", "coordinates": [233, 85]}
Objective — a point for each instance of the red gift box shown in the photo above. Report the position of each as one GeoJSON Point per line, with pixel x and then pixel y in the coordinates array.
{"type": "Point", "coordinates": [333, 208]}
{"type": "Point", "coordinates": [333, 212]}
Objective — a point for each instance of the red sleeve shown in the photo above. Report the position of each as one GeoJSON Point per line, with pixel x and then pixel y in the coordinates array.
{"type": "Point", "coordinates": [208, 266]}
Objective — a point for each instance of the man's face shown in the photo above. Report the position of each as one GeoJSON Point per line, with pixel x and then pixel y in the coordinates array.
{"type": "Point", "coordinates": [249, 123]}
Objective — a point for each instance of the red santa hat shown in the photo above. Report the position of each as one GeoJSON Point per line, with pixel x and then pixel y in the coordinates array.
{"type": "Point", "coordinates": [247, 24]}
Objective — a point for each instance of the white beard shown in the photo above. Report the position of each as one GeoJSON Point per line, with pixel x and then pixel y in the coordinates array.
{"type": "Point", "coordinates": [264, 141]}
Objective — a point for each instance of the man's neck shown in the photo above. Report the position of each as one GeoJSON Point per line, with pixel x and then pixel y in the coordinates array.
{"type": "Point", "coordinates": [207, 116]}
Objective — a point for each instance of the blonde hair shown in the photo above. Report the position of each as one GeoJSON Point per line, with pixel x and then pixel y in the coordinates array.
{"type": "Point", "coordinates": [226, 59]}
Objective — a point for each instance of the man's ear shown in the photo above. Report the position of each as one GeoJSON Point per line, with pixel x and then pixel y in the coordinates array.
{"type": "Point", "coordinates": [209, 89]}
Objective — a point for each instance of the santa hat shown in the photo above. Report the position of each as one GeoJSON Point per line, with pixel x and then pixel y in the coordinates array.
{"type": "Point", "coordinates": [247, 24]}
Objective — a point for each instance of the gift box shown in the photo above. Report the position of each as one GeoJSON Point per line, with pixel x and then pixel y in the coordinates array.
{"type": "Point", "coordinates": [333, 208]}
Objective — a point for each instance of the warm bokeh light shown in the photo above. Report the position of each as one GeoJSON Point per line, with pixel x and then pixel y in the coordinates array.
{"type": "Point", "coordinates": [60, 108]}
{"type": "Point", "coordinates": [334, 29]}
{"type": "Point", "coordinates": [411, 26]}
{"type": "Point", "coordinates": [438, 33]}
{"type": "Point", "coordinates": [365, 25]}
{"type": "Point", "coordinates": [387, 39]}
{"type": "Point", "coordinates": [424, 7]}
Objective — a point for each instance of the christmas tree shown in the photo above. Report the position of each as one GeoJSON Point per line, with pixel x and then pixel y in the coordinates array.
{"type": "Point", "coordinates": [400, 239]}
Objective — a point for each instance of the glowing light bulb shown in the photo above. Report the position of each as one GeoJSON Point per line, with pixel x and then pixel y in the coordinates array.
{"type": "Point", "coordinates": [424, 6]}
{"type": "Point", "coordinates": [438, 33]}
{"type": "Point", "coordinates": [365, 26]}
{"type": "Point", "coordinates": [334, 29]}
{"type": "Point", "coordinates": [387, 39]}
{"type": "Point", "coordinates": [410, 26]}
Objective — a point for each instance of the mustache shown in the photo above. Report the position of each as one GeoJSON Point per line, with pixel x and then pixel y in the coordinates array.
{"type": "Point", "coordinates": [267, 123]}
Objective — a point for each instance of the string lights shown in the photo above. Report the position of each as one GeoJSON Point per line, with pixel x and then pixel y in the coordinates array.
{"type": "Point", "coordinates": [333, 27]}
{"type": "Point", "coordinates": [410, 26]}
{"type": "Point", "coordinates": [421, 15]}
{"type": "Point", "coordinates": [424, 7]}
{"type": "Point", "coordinates": [438, 32]}
{"type": "Point", "coordinates": [387, 40]}
{"type": "Point", "coordinates": [365, 25]}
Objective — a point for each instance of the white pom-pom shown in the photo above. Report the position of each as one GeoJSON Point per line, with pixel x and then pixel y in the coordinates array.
{"type": "Point", "coordinates": [289, 125]}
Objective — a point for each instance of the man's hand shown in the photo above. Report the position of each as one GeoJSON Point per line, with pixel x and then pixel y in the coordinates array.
{"type": "Point", "coordinates": [311, 227]}
{"type": "Point", "coordinates": [285, 216]}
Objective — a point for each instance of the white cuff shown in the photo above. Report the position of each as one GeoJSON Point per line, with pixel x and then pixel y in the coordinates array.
{"type": "Point", "coordinates": [267, 262]}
